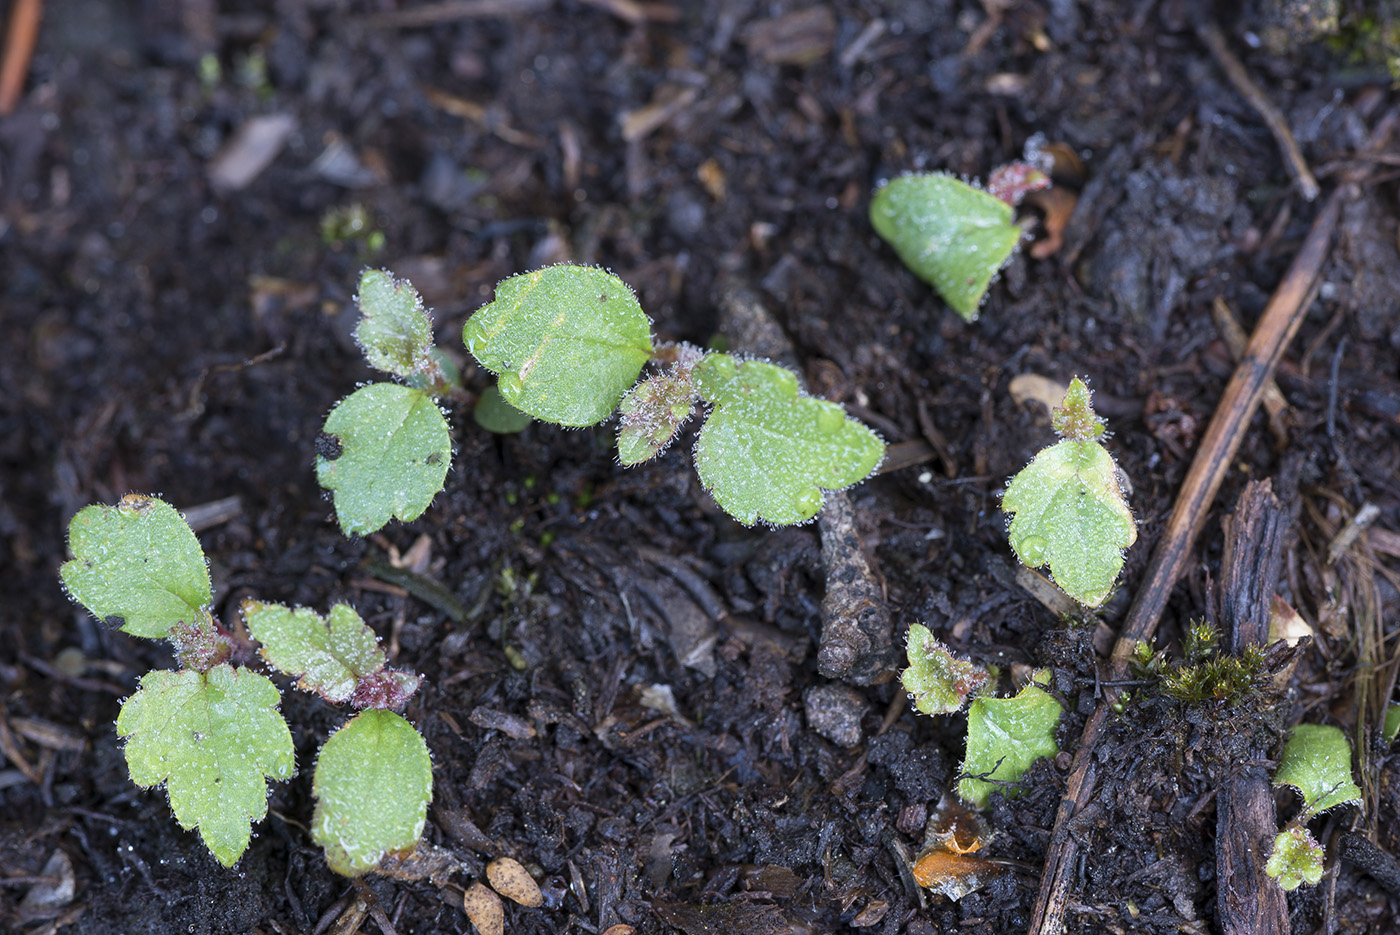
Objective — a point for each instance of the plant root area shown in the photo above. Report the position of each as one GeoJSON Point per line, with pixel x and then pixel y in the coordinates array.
{"type": "Point", "coordinates": [622, 687]}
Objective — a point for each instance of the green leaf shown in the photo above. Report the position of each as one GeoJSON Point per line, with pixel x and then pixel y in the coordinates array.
{"type": "Point", "coordinates": [211, 738]}
{"type": "Point", "coordinates": [1005, 736]}
{"type": "Point", "coordinates": [768, 450]}
{"type": "Point", "coordinates": [394, 453]}
{"type": "Point", "coordinates": [494, 414]}
{"type": "Point", "coordinates": [567, 341]}
{"type": "Point", "coordinates": [938, 681]}
{"type": "Point", "coordinates": [329, 655]}
{"type": "Point", "coordinates": [952, 236]}
{"type": "Point", "coordinates": [373, 782]}
{"type": "Point", "coordinates": [1392, 723]}
{"type": "Point", "coordinates": [394, 331]}
{"type": "Point", "coordinates": [1295, 858]}
{"type": "Point", "coordinates": [1316, 761]}
{"type": "Point", "coordinates": [652, 412]}
{"type": "Point", "coordinates": [137, 566]}
{"type": "Point", "coordinates": [1068, 509]}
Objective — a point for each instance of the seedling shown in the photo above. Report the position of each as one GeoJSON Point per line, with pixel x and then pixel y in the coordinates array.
{"type": "Point", "coordinates": [1067, 507]}
{"type": "Point", "coordinates": [568, 344]}
{"type": "Point", "coordinates": [385, 449]}
{"type": "Point", "coordinates": [1005, 736]}
{"type": "Point", "coordinates": [952, 235]}
{"type": "Point", "coordinates": [1316, 761]}
{"type": "Point", "coordinates": [211, 732]}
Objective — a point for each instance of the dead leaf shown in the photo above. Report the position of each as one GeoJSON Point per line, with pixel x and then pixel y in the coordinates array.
{"type": "Point", "coordinates": [509, 878]}
{"type": "Point", "coordinates": [484, 909]}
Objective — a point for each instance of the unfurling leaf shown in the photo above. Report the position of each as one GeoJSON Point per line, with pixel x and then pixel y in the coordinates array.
{"type": "Point", "coordinates": [768, 450]}
{"type": "Point", "coordinates": [211, 738]}
{"type": "Point", "coordinates": [391, 454]}
{"type": "Point", "coordinates": [394, 331]}
{"type": "Point", "coordinates": [1296, 858]}
{"type": "Point", "coordinates": [653, 411]}
{"type": "Point", "coordinates": [136, 565]}
{"type": "Point", "coordinates": [1068, 509]}
{"type": "Point", "coordinates": [937, 680]}
{"type": "Point", "coordinates": [1005, 736]}
{"type": "Point", "coordinates": [337, 657]}
{"type": "Point", "coordinates": [1316, 761]}
{"type": "Point", "coordinates": [952, 236]}
{"type": "Point", "coordinates": [373, 782]}
{"type": "Point", "coordinates": [567, 341]}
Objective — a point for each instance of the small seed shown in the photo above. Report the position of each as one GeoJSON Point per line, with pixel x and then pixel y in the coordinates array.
{"type": "Point", "coordinates": [514, 882]}
{"type": "Point", "coordinates": [484, 909]}
{"type": "Point", "coordinates": [621, 928]}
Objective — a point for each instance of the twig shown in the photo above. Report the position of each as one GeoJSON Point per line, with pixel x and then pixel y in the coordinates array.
{"type": "Point", "coordinates": [19, 51]}
{"type": "Point", "coordinates": [1273, 118]}
{"type": "Point", "coordinates": [1236, 340]}
{"type": "Point", "coordinates": [1245, 817]}
{"type": "Point", "coordinates": [1276, 327]}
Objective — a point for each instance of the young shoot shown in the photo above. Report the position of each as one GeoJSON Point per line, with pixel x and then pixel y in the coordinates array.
{"type": "Point", "coordinates": [568, 344]}
{"type": "Point", "coordinates": [1067, 507]}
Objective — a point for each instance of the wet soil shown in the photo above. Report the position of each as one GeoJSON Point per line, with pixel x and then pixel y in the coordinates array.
{"type": "Point", "coordinates": [627, 699]}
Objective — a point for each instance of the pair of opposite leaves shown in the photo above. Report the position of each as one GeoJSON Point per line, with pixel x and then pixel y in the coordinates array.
{"type": "Point", "coordinates": [213, 737]}
{"type": "Point", "coordinates": [568, 344]}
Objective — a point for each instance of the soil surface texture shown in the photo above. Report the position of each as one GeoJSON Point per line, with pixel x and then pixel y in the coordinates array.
{"type": "Point", "coordinates": [624, 689]}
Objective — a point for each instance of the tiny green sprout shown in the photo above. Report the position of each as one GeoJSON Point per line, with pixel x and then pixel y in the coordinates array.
{"type": "Point", "coordinates": [1295, 858]}
{"type": "Point", "coordinates": [569, 344]}
{"type": "Point", "coordinates": [1005, 736]}
{"type": "Point", "coordinates": [937, 680]}
{"type": "Point", "coordinates": [1067, 508]}
{"type": "Point", "coordinates": [385, 449]}
{"type": "Point", "coordinates": [953, 236]}
{"type": "Point", "coordinates": [1316, 761]}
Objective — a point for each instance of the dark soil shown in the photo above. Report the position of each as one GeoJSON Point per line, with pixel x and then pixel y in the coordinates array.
{"type": "Point", "coordinates": [134, 288]}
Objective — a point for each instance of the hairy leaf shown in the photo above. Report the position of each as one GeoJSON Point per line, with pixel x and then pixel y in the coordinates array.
{"type": "Point", "coordinates": [393, 453]}
{"type": "Point", "coordinates": [136, 565]}
{"type": "Point", "coordinates": [567, 341]}
{"type": "Point", "coordinates": [331, 656]}
{"type": "Point", "coordinates": [938, 681]}
{"type": "Point", "coordinates": [1005, 736]}
{"type": "Point", "coordinates": [394, 331]}
{"type": "Point", "coordinates": [1068, 509]}
{"type": "Point", "coordinates": [1296, 858]}
{"type": "Point", "coordinates": [211, 738]}
{"type": "Point", "coordinates": [768, 450]}
{"type": "Point", "coordinates": [373, 782]}
{"type": "Point", "coordinates": [952, 236]}
{"type": "Point", "coordinates": [1316, 761]}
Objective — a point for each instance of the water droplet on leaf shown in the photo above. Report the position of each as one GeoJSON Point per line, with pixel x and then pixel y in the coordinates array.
{"type": "Point", "coordinates": [510, 384]}
{"type": "Point", "coordinates": [1031, 549]}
